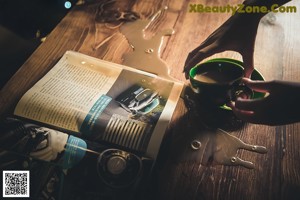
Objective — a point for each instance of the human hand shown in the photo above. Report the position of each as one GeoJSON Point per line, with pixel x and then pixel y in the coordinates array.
{"type": "Point", "coordinates": [280, 106]}
{"type": "Point", "coordinates": [238, 34]}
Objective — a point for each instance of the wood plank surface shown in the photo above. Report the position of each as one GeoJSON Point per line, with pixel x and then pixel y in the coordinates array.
{"type": "Point", "coordinates": [180, 172]}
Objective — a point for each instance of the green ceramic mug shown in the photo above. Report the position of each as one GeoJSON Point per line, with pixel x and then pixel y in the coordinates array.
{"type": "Point", "coordinates": [218, 81]}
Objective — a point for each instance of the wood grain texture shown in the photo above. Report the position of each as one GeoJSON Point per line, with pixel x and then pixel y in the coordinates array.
{"type": "Point", "coordinates": [179, 173]}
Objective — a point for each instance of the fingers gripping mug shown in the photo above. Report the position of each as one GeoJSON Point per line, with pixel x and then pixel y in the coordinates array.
{"type": "Point", "coordinates": [218, 81]}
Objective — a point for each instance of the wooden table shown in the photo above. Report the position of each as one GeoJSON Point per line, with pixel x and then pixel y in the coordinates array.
{"type": "Point", "coordinates": [277, 173]}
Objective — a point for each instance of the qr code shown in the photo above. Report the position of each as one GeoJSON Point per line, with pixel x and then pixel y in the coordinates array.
{"type": "Point", "coordinates": [15, 183]}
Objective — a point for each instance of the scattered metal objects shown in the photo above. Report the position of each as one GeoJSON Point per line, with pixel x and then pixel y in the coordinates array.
{"type": "Point", "coordinates": [149, 50]}
{"type": "Point", "coordinates": [196, 144]}
{"type": "Point", "coordinates": [233, 159]}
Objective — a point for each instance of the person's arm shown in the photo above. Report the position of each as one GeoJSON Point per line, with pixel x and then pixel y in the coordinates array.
{"type": "Point", "coordinates": [238, 34]}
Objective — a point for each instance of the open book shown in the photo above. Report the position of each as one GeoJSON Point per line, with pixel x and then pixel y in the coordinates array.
{"type": "Point", "coordinates": [102, 123]}
{"type": "Point", "coordinates": [89, 124]}
{"type": "Point", "coordinates": [103, 101]}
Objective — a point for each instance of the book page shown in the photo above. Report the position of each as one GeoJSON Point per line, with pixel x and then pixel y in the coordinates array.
{"type": "Point", "coordinates": [67, 92]}
{"type": "Point", "coordinates": [103, 102]}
